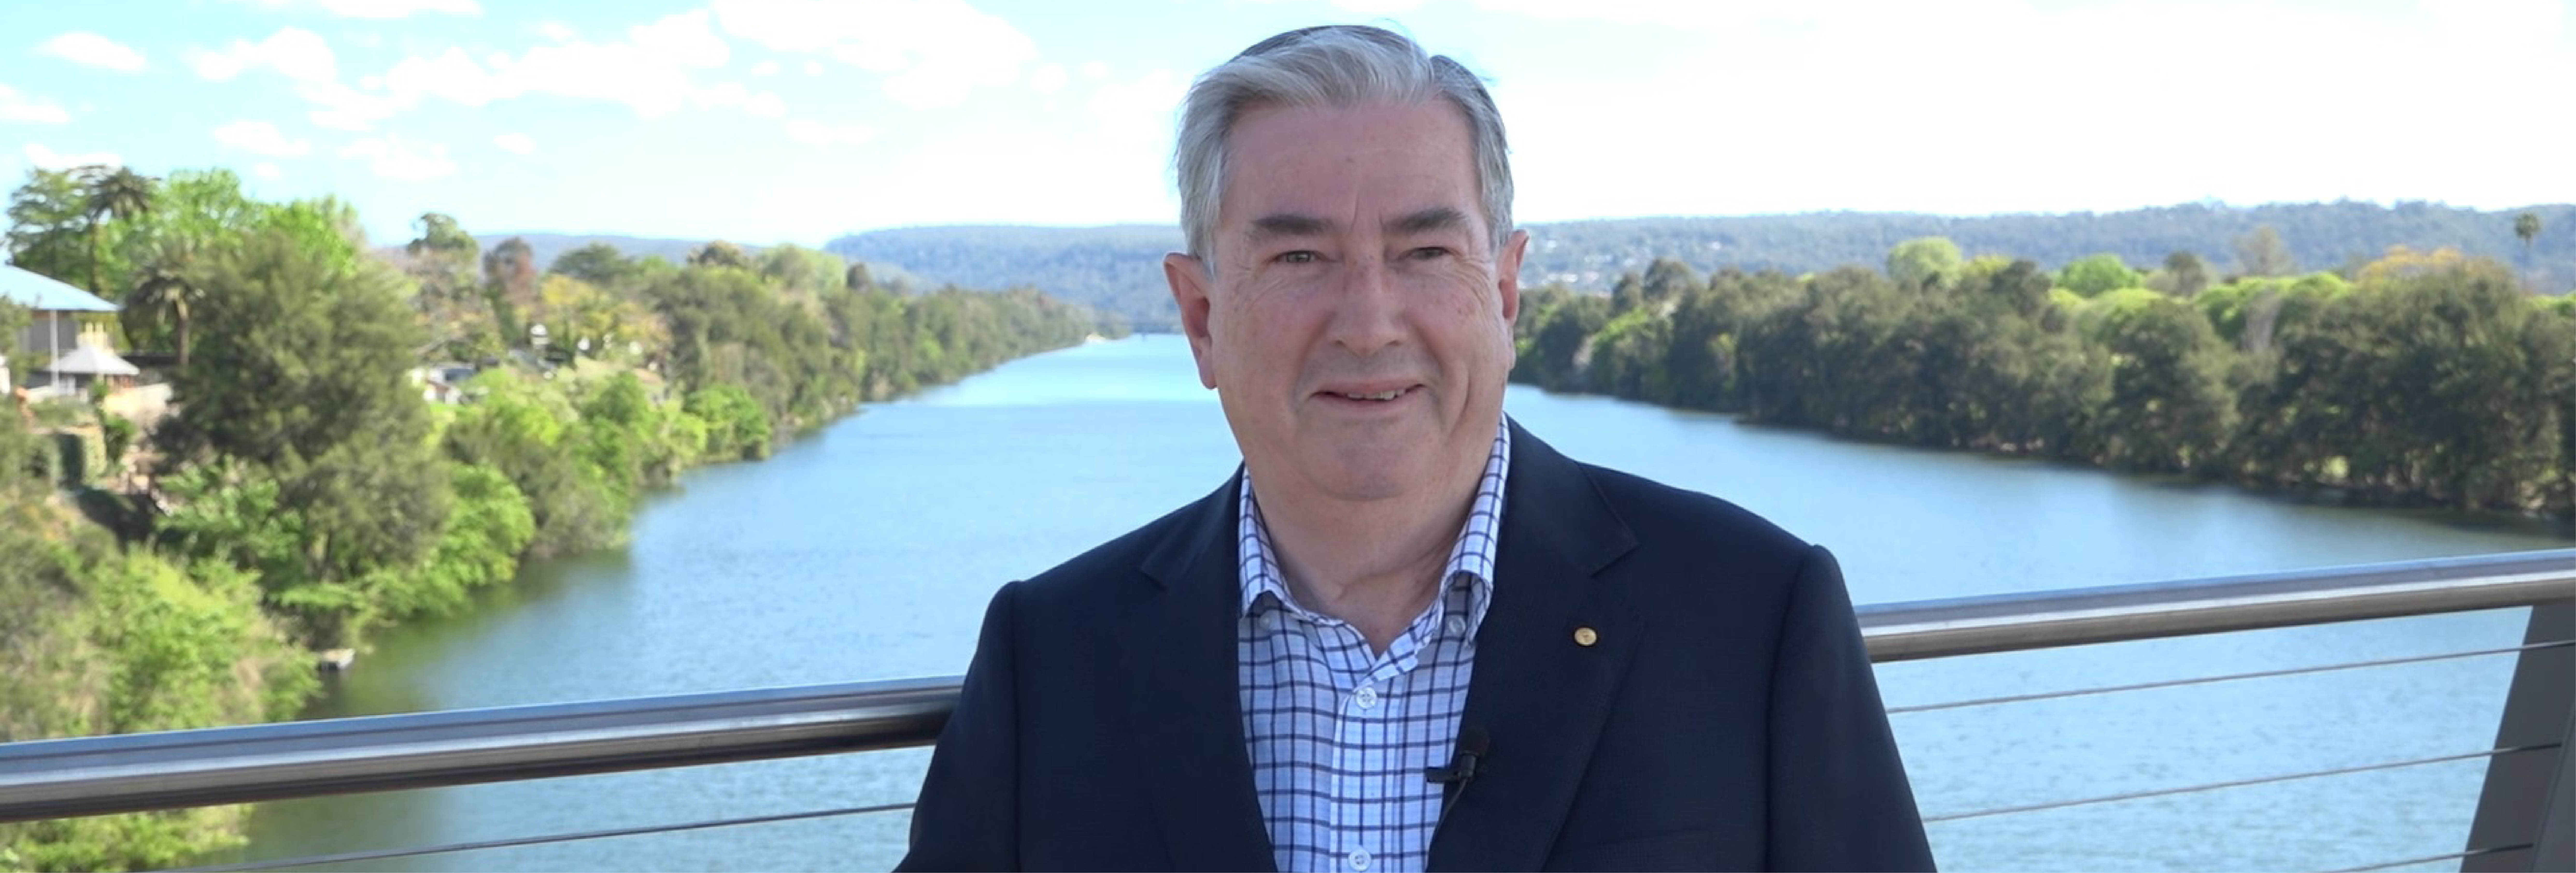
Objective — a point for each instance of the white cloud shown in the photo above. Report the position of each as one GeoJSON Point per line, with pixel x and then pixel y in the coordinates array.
{"type": "Point", "coordinates": [934, 52]}
{"type": "Point", "coordinates": [296, 53]}
{"type": "Point", "coordinates": [402, 160]}
{"type": "Point", "coordinates": [765, 68]}
{"type": "Point", "coordinates": [515, 143]}
{"type": "Point", "coordinates": [557, 32]}
{"type": "Point", "coordinates": [261, 138]}
{"type": "Point", "coordinates": [685, 39]}
{"type": "Point", "coordinates": [266, 170]}
{"type": "Point", "coordinates": [1048, 79]}
{"type": "Point", "coordinates": [34, 110]}
{"type": "Point", "coordinates": [651, 73]}
{"type": "Point", "coordinates": [45, 158]}
{"type": "Point", "coordinates": [93, 50]}
{"type": "Point", "coordinates": [813, 68]}
{"type": "Point", "coordinates": [807, 130]}
{"type": "Point", "coordinates": [451, 76]}
{"type": "Point", "coordinates": [1146, 102]}
{"type": "Point", "coordinates": [379, 8]}
{"type": "Point", "coordinates": [1095, 70]}
{"type": "Point", "coordinates": [340, 107]}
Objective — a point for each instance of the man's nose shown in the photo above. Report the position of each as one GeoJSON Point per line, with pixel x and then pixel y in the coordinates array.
{"type": "Point", "coordinates": [1368, 308]}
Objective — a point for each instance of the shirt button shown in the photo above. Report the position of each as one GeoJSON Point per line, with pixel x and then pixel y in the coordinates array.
{"type": "Point", "coordinates": [1360, 859]}
{"type": "Point", "coordinates": [1457, 625]}
{"type": "Point", "coordinates": [1366, 698]}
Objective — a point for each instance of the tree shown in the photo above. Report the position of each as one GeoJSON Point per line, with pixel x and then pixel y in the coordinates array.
{"type": "Point", "coordinates": [441, 237]}
{"type": "Point", "coordinates": [2527, 227]}
{"type": "Point", "coordinates": [167, 290]}
{"type": "Point", "coordinates": [48, 232]}
{"type": "Point", "coordinates": [2188, 273]}
{"type": "Point", "coordinates": [1924, 263]}
{"type": "Point", "coordinates": [119, 194]}
{"type": "Point", "coordinates": [303, 349]}
{"type": "Point", "coordinates": [720, 254]}
{"type": "Point", "coordinates": [2092, 275]}
{"type": "Point", "coordinates": [2262, 253]}
{"type": "Point", "coordinates": [599, 264]}
{"type": "Point", "coordinates": [510, 280]}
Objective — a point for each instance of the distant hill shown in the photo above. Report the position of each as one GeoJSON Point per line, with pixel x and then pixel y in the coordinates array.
{"type": "Point", "coordinates": [547, 246]}
{"type": "Point", "coordinates": [1120, 268]}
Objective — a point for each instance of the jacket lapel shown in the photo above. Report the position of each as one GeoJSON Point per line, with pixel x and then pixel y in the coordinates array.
{"type": "Point", "coordinates": [1178, 649]}
{"type": "Point", "coordinates": [1540, 697]}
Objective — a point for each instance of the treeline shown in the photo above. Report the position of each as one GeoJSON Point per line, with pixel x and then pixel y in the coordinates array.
{"type": "Point", "coordinates": [2417, 378]}
{"type": "Point", "coordinates": [2317, 236]}
{"type": "Point", "coordinates": [1118, 268]}
{"type": "Point", "coordinates": [303, 490]}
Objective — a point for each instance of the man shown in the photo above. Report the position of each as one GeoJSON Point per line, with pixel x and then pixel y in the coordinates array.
{"type": "Point", "coordinates": [1408, 635]}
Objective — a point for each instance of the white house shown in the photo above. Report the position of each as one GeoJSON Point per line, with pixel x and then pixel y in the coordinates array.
{"type": "Point", "coordinates": [68, 333]}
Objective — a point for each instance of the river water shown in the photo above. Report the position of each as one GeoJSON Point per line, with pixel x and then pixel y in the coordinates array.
{"type": "Point", "coordinates": [869, 549]}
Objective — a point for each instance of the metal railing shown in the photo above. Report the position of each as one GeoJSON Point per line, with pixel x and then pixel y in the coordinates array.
{"type": "Point", "coordinates": [2523, 821]}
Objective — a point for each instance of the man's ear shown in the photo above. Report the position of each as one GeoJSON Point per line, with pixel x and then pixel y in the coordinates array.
{"type": "Point", "coordinates": [1507, 274]}
{"type": "Point", "coordinates": [1190, 282]}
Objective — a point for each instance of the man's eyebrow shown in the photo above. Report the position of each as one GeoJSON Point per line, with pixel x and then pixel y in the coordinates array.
{"type": "Point", "coordinates": [1289, 224]}
{"type": "Point", "coordinates": [1437, 218]}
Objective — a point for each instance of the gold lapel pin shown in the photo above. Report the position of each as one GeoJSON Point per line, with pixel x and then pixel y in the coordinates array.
{"type": "Point", "coordinates": [1584, 636]}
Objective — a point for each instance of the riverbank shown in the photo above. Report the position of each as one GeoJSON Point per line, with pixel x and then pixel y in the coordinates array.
{"type": "Point", "coordinates": [870, 549]}
{"type": "Point", "coordinates": [2417, 380]}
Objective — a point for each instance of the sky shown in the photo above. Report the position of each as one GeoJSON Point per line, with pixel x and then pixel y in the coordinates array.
{"type": "Point", "coordinates": [768, 121]}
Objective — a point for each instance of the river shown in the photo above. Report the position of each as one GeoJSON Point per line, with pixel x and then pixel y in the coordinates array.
{"type": "Point", "coordinates": [868, 550]}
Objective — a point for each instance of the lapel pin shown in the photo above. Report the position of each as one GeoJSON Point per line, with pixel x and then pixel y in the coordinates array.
{"type": "Point", "coordinates": [1584, 636]}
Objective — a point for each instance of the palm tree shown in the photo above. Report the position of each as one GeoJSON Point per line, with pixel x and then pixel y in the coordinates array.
{"type": "Point", "coordinates": [121, 194]}
{"type": "Point", "coordinates": [166, 288]}
{"type": "Point", "coordinates": [2527, 226]}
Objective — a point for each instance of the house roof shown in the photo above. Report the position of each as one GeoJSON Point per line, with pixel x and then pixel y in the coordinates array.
{"type": "Point", "coordinates": [92, 361]}
{"type": "Point", "coordinates": [46, 295]}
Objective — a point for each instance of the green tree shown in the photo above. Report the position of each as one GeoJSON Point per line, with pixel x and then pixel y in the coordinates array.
{"type": "Point", "coordinates": [2526, 227]}
{"type": "Point", "coordinates": [720, 254]}
{"type": "Point", "coordinates": [2188, 273]}
{"type": "Point", "coordinates": [599, 264]}
{"type": "Point", "coordinates": [2092, 275]}
{"type": "Point", "coordinates": [1924, 263]}
{"type": "Point", "coordinates": [167, 290]}
{"type": "Point", "coordinates": [120, 194]}
{"type": "Point", "coordinates": [48, 226]}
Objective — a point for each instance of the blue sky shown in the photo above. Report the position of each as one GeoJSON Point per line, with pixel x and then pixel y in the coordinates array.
{"type": "Point", "coordinates": [798, 120]}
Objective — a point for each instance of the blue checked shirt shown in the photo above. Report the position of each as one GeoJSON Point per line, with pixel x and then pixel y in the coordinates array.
{"type": "Point", "coordinates": [1340, 737]}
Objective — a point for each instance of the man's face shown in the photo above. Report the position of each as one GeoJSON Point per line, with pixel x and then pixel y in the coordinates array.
{"type": "Point", "coordinates": [1357, 325]}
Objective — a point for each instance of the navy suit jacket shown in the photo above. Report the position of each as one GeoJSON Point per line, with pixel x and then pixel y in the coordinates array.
{"type": "Point", "coordinates": [1725, 716]}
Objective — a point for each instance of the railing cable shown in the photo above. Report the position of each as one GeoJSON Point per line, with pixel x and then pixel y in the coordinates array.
{"type": "Point", "coordinates": [2230, 677]}
{"type": "Point", "coordinates": [2454, 856]}
{"type": "Point", "coordinates": [515, 842]}
{"type": "Point", "coordinates": [2234, 783]}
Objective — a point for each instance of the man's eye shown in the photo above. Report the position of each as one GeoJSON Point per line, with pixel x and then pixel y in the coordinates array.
{"type": "Point", "coordinates": [1428, 253]}
{"type": "Point", "coordinates": [1300, 256]}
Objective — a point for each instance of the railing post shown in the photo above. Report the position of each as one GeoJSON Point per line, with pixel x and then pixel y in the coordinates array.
{"type": "Point", "coordinates": [2520, 806]}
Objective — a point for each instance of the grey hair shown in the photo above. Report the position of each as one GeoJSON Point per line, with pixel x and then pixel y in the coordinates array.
{"type": "Point", "coordinates": [1331, 66]}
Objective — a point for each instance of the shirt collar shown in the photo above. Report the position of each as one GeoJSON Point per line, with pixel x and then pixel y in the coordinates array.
{"type": "Point", "coordinates": [1471, 558]}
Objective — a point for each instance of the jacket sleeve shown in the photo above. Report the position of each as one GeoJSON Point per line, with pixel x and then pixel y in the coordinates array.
{"type": "Point", "coordinates": [968, 814]}
{"type": "Point", "coordinates": [1839, 799]}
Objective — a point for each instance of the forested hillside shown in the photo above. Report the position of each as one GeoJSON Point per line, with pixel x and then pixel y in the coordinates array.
{"type": "Point", "coordinates": [1118, 268]}
{"type": "Point", "coordinates": [353, 436]}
